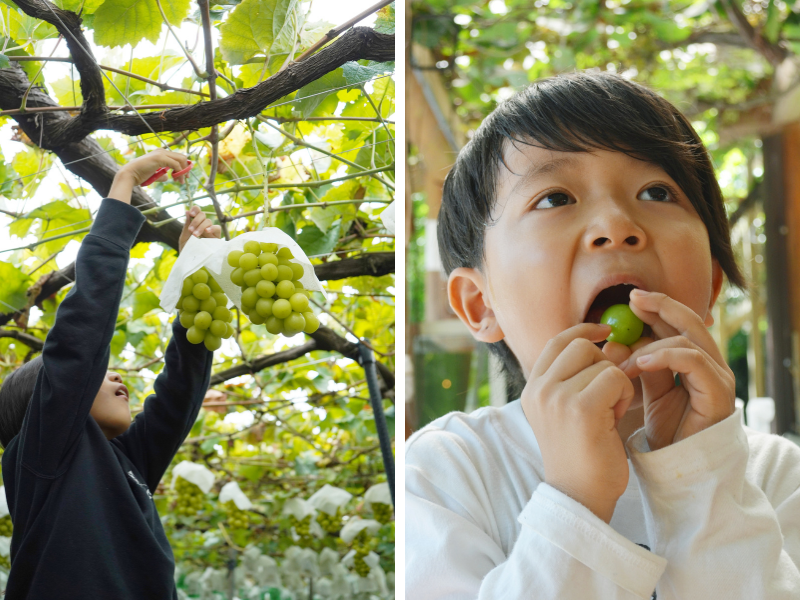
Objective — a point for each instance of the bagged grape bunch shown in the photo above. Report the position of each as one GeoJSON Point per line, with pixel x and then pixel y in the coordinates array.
{"type": "Point", "coordinates": [263, 273]}
{"type": "Point", "coordinates": [272, 291]}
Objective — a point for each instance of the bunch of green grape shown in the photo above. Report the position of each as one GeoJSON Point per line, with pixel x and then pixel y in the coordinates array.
{"type": "Point", "coordinates": [271, 290]}
{"type": "Point", "coordinates": [237, 519]}
{"type": "Point", "coordinates": [6, 528]}
{"type": "Point", "coordinates": [382, 512]}
{"type": "Point", "coordinates": [362, 544]}
{"type": "Point", "coordinates": [330, 523]}
{"type": "Point", "coordinates": [302, 526]}
{"type": "Point", "coordinates": [190, 497]}
{"type": "Point", "coordinates": [203, 310]}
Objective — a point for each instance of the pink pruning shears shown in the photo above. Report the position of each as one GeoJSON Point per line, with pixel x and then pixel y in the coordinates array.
{"type": "Point", "coordinates": [163, 171]}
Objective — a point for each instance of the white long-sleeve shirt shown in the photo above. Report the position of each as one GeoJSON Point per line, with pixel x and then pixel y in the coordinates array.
{"type": "Point", "coordinates": [714, 516]}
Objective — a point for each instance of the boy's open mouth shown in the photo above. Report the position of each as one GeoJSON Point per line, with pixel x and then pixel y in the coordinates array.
{"type": "Point", "coordinates": [616, 294]}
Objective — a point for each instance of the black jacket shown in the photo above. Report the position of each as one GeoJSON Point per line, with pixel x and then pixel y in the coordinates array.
{"type": "Point", "coordinates": [85, 524]}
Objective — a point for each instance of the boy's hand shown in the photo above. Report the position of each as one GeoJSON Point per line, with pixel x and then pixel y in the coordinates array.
{"type": "Point", "coordinates": [140, 169]}
{"type": "Point", "coordinates": [198, 224]}
{"type": "Point", "coordinates": [573, 401]}
{"type": "Point", "coordinates": [708, 390]}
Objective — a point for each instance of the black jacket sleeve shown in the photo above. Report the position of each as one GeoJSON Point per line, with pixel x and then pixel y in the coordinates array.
{"type": "Point", "coordinates": [76, 352]}
{"type": "Point", "coordinates": [156, 433]}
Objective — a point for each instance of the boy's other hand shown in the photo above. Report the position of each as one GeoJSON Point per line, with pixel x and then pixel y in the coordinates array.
{"type": "Point", "coordinates": [573, 400]}
{"type": "Point", "coordinates": [199, 225]}
{"type": "Point", "coordinates": [140, 169]}
{"type": "Point", "coordinates": [683, 344]}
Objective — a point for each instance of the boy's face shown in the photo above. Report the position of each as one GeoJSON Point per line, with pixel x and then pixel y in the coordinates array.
{"type": "Point", "coordinates": [562, 222]}
{"type": "Point", "coordinates": [111, 408]}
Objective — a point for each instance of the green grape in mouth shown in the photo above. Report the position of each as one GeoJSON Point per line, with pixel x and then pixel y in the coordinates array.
{"type": "Point", "coordinates": [626, 327]}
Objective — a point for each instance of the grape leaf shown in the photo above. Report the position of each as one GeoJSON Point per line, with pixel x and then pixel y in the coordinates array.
{"type": "Point", "coordinates": [314, 242]}
{"type": "Point", "coordinates": [315, 92]}
{"type": "Point", "coordinates": [355, 73]}
{"type": "Point", "coordinates": [120, 22]}
{"type": "Point", "coordinates": [385, 21]}
{"type": "Point", "coordinates": [14, 285]}
{"type": "Point", "coordinates": [144, 302]}
{"type": "Point", "coordinates": [259, 27]}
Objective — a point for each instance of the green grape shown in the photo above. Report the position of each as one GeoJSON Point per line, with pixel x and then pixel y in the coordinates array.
{"type": "Point", "coordinates": [252, 247]}
{"type": "Point", "coordinates": [187, 318]}
{"type": "Point", "coordinates": [208, 305]}
{"type": "Point", "coordinates": [281, 308]}
{"type": "Point", "coordinates": [285, 273]}
{"type": "Point", "coordinates": [264, 307]}
{"type": "Point", "coordinates": [285, 289]}
{"type": "Point", "coordinates": [252, 277]}
{"type": "Point", "coordinates": [250, 297]}
{"type": "Point", "coordinates": [195, 335]}
{"type": "Point", "coordinates": [188, 284]}
{"type": "Point", "coordinates": [212, 341]}
{"type": "Point", "coordinates": [268, 247]}
{"type": "Point", "coordinates": [231, 330]}
{"type": "Point", "coordinates": [222, 314]}
{"type": "Point", "coordinates": [202, 320]}
{"type": "Point", "coordinates": [191, 304]}
{"type": "Point", "coordinates": [360, 566]}
{"type": "Point", "coordinates": [218, 328]}
{"type": "Point", "coordinates": [285, 262]}
{"type": "Point", "coordinates": [215, 288]}
{"type": "Point", "coordinates": [248, 261]}
{"type": "Point", "coordinates": [626, 327]}
{"type": "Point", "coordinates": [382, 512]}
{"type": "Point", "coordinates": [6, 527]}
{"type": "Point", "coordinates": [269, 272]}
{"type": "Point", "coordinates": [265, 289]}
{"type": "Point", "coordinates": [237, 276]}
{"type": "Point", "coordinates": [330, 523]}
{"type": "Point", "coordinates": [274, 324]}
{"type": "Point", "coordinates": [233, 258]}
{"type": "Point", "coordinates": [201, 291]}
{"type": "Point", "coordinates": [179, 305]}
{"type": "Point", "coordinates": [297, 270]}
{"type": "Point", "coordinates": [312, 322]}
{"type": "Point", "coordinates": [293, 324]}
{"type": "Point", "coordinates": [190, 498]}
{"type": "Point", "coordinates": [299, 302]}
{"type": "Point", "coordinates": [285, 252]}
{"type": "Point", "coordinates": [268, 258]}
{"type": "Point", "coordinates": [200, 276]}
{"type": "Point", "coordinates": [255, 318]}
{"type": "Point", "coordinates": [220, 298]}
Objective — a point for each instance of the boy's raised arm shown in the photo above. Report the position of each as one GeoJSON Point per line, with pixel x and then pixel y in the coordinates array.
{"type": "Point", "coordinates": [76, 351]}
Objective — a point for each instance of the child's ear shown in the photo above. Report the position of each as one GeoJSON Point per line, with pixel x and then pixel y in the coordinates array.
{"type": "Point", "coordinates": [467, 292]}
{"type": "Point", "coordinates": [716, 288]}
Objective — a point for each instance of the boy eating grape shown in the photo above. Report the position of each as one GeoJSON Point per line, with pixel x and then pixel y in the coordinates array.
{"type": "Point", "coordinates": [79, 475]}
{"type": "Point", "coordinates": [607, 478]}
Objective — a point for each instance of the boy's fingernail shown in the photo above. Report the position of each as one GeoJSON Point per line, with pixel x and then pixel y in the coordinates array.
{"type": "Point", "coordinates": [643, 360]}
{"type": "Point", "coordinates": [639, 292]}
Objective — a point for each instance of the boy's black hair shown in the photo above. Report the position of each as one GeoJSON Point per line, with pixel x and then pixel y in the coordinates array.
{"type": "Point", "coordinates": [15, 395]}
{"type": "Point", "coordinates": [577, 112]}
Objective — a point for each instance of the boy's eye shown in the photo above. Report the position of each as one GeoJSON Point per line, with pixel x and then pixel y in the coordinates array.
{"type": "Point", "coordinates": [657, 193]}
{"type": "Point", "coordinates": [554, 198]}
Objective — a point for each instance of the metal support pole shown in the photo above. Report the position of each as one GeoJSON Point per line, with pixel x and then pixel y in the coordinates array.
{"type": "Point", "coordinates": [368, 362]}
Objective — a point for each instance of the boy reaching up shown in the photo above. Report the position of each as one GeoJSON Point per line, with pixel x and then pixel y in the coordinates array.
{"type": "Point", "coordinates": [79, 475]}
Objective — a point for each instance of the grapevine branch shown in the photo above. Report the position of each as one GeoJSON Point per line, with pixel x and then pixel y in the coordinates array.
{"type": "Point", "coordinates": [61, 130]}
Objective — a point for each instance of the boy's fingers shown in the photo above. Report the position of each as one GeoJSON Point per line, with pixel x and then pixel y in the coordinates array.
{"type": "Point", "coordinates": [590, 331]}
{"type": "Point", "coordinates": [669, 318]}
{"type": "Point", "coordinates": [579, 354]}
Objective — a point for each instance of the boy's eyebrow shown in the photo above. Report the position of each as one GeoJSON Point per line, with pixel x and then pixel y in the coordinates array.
{"type": "Point", "coordinates": [545, 168]}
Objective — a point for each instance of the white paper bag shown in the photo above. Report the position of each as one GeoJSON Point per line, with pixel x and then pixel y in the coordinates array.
{"type": "Point", "coordinates": [213, 255]}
